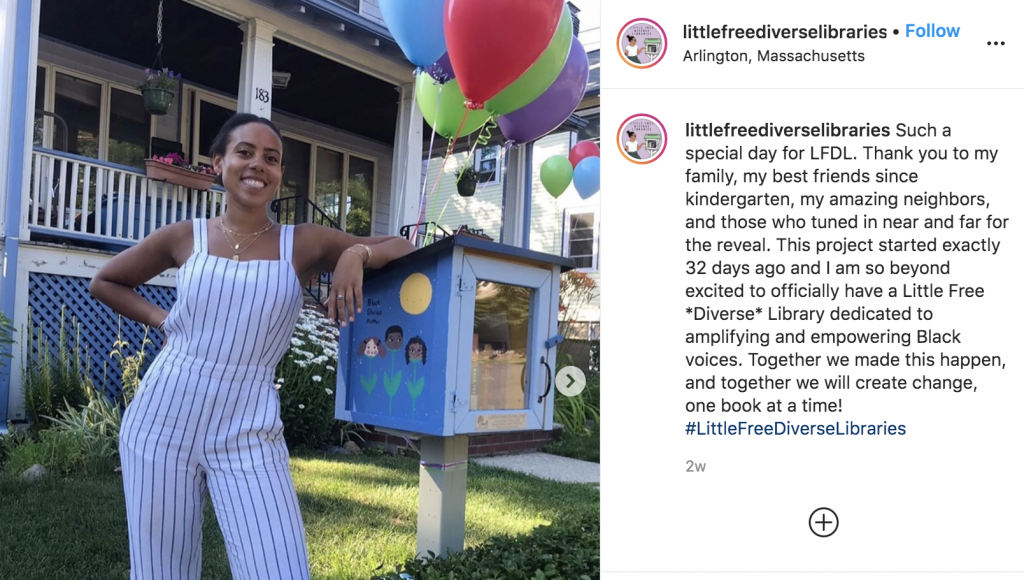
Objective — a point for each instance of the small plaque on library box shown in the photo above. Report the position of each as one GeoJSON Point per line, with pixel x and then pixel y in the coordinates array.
{"type": "Point", "coordinates": [501, 422]}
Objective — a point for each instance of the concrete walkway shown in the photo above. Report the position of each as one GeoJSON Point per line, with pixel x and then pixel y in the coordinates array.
{"type": "Point", "coordinates": [546, 466]}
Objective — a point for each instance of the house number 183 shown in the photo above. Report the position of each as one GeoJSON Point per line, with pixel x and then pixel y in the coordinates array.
{"type": "Point", "coordinates": [262, 95]}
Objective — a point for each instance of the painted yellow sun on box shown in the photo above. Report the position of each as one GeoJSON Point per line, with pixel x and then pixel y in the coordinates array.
{"type": "Point", "coordinates": [416, 293]}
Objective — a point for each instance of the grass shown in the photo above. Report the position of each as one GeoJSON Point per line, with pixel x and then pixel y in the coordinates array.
{"type": "Point", "coordinates": [585, 447]}
{"type": "Point", "coordinates": [359, 512]}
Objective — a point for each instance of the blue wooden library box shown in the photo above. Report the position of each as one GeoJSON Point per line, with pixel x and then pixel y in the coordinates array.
{"type": "Point", "coordinates": [455, 338]}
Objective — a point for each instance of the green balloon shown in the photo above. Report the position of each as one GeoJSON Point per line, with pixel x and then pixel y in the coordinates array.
{"type": "Point", "coordinates": [556, 174]}
{"type": "Point", "coordinates": [445, 119]}
{"type": "Point", "coordinates": [539, 76]}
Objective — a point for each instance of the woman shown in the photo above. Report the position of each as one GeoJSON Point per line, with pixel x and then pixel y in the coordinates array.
{"type": "Point", "coordinates": [206, 415]}
{"type": "Point", "coordinates": [633, 51]}
{"type": "Point", "coordinates": [633, 146]}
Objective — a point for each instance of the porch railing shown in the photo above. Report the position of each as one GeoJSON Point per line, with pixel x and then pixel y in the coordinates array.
{"type": "Point", "coordinates": [76, 197]}
{"type": "Point", "coordinates": [301, 209]}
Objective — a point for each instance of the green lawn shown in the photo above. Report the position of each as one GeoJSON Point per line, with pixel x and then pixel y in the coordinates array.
{"type": "Point", "coordinates": [585, 447]}
{"type": "Point", "coordinates": [359, 512]}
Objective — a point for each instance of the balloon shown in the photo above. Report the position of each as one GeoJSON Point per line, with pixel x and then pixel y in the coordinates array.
{"type": "Point", "coordinates": [587, 177]}
{"type": "Point", "coordinates": [445, 118]}
{"type": "Point", "coordinates": [493, 42]}
{"type": "Point", "coordinates": [582, 150]}
{"type": "Point", "coordinates": [556, 174]}
{"type": "Point", "coordinates": [551, 109]}
{"type": "Point", "coordinates": [418, 28]}
{"type": "Point", "coordinates": [539, 77]}
{"type": "Point", "coordinates": [441, 71]}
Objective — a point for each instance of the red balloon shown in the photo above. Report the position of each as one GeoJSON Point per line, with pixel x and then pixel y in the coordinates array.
{"type": "Point", "coordinates": [491, 43]}
{"type": "Point", "coordinates": [582, 150]}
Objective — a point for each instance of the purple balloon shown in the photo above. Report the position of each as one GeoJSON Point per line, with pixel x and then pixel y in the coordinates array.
{"type": "Point", "coordinates": [442, 71]}
{"type": "Point", "coordinates": [548, 111]}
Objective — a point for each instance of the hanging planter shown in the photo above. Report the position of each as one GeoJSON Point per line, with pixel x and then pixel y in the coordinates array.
{"type": "Point", "coordinates": [174, 169]}
{"type": "Point", "coordinates": [466, 182]}
{"type": "Point", "coordinates": [157, 101]}
{"type": "Point", "coordinates": [158, 90]}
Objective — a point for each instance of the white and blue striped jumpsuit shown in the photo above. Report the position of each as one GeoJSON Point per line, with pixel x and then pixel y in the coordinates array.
{"type": "Point", "coordinates": [207, 416]}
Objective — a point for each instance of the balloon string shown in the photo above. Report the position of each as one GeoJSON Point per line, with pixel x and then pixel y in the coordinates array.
{"type": "Point", "coordinates": [430, 155]}
{"type": "Point", "coordinates": [437, 181]}
{"type": "Point", "coordinates": [433, 190]}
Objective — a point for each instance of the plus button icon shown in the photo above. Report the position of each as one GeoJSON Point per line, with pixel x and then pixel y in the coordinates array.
{"type": "Point", "coordinates": [823, 522]}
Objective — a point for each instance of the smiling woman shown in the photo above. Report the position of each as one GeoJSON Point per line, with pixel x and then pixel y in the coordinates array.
{"type": "Point", "coordinates": [238, 299]}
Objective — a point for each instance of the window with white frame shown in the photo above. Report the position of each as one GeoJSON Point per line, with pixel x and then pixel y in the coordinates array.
{"type": "Point", "coordinates": [487, 164]}
{"type": "Point", "coordinates": [580, 242]}
{"type": "Point", "coordinates": [105, 120]}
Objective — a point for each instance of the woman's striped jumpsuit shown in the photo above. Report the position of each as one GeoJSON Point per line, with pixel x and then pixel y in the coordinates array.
{"type": "Point", "coordinates": [207, 416]}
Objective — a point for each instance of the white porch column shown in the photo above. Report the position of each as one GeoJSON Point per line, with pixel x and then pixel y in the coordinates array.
{"type": "Point", "coordinates": [256, 81]}
{"type": "Point", "coordinates": [407, 163]}
{"type": "Point", "coordinates": [514, 198]}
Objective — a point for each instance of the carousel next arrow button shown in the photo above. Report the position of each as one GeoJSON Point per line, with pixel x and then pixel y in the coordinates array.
{"type": "Point", "coordinates": [570, 381]}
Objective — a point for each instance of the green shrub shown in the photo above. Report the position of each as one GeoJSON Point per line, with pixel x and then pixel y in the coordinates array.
{"type": "Point", "coordinates": [60, 452]}
{"type": "Point", "coordinates": [50, 382]}
{"type": "Point", "coordinates": [12, 439]}
{"type": "Point", "coordinates": [569, 550]}
{"type": "Point", "coordinates": [306, 379]}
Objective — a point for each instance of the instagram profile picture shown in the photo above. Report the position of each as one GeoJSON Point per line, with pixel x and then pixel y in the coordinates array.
{"type": "Point", "coordinates": [642, 43]}
{"type": "Point", "coordinates": [642, 139]}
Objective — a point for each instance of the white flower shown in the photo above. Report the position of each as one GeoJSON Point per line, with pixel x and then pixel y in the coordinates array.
{"type": "Point", "coordinates": [317, 378]}
{"type": "Point", "coordinates": [297, 342]}
{"type": "Point", "coordinates": [302, 406]}
{"type": "Point", "coordinates": [329, 392]}
{"type": "Point", "coordinates": [280, 381]}
{"type": "Point", "coordinates": [277, 386]}
{"type": "Point", "coordinates": [330, 368]}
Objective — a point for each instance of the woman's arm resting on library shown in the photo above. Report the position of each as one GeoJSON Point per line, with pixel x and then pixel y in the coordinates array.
{"type": "Point", "coordinates": [346, 255]}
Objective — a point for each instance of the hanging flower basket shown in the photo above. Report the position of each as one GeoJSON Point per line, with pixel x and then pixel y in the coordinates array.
{"type": "Point", "coordinates": [167, 169]}
{"type": "Point", "coordinates": [158, 90]}
{"type": "Point", "coordinates": [157, 101]}
{"type": "Point", "coordinates": [466, 182]}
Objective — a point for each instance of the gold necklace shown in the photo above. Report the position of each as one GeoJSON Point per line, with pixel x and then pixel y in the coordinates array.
{"type": "Point", "coordinates": [265, 227]}
{"type": "Point", "coordinates": [234, 243]}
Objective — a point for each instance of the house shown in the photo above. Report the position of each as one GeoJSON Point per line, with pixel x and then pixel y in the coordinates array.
{"type": "Point", "coordinates": [74, 137]}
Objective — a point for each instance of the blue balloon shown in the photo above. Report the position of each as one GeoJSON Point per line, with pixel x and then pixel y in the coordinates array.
{"type": "Point", "coordinates": [586, 178]}
{"type": "Point", "coordinates": [418, 27]}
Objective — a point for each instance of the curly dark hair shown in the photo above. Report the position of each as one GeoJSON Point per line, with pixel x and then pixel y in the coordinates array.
{"type": "Point", "coordinates": [423, 345]}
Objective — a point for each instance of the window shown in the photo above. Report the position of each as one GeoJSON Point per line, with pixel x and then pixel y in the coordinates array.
{"type": "Point", "coordinates": [487, 164]}
{"type": "Point", "coordinates": [359, 200]}
{"type": "Point", "coordinates": [210, 117]}
{"type": "Point", "coordinates": [104, 120]}
{"type": "Point", "coordinates": [330, 169]}
{"type": "Point", "coordinates": [580, 243]}
{"type": "Point", "coordinates": [78, 102]}
{"type": "Point", "coordinates": [352, 4]}
{"type": "Point", "coordinates": [37, 134]}
{"type": "Point", "coordinates": [340, 184]}
{"type": "Point", "coordinates": [129, 129]}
